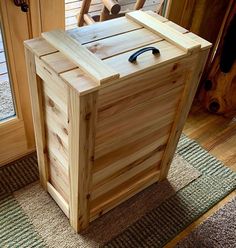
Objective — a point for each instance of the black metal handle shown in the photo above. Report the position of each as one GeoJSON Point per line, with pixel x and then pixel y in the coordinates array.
{"type": "Point", "coordinates": [134, 56]}
{"type": "Point", "coordinates": [22, 4]}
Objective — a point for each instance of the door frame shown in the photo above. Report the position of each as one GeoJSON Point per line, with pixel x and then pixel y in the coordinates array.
{"type": "Point", "coordinates": [17, 133]}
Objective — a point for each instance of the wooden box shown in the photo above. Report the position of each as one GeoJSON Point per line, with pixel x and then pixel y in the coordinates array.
{"type": "Point", "coordinates": [105, 127]}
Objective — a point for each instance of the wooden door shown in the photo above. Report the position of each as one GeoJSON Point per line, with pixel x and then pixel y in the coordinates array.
{"type": "Point", "coordinates": [16, 131]}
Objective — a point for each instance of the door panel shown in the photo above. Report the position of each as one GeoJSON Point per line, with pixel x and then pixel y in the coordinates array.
{"type": "Point", "coordinates": [16, 133]}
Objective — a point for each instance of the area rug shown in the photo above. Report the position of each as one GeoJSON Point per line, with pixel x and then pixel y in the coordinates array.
{"type": "Point", "coordinates": [217, 231]}
{"type": "Point", "coordinates": [30, 218]}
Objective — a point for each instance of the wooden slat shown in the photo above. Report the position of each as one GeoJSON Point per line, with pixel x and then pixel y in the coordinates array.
{"type": "Point", "coordinates": [123, 192]}
{"type": "Point", "coordinates": [176, 27]}
{"type": "Point", "coordinates": [127, 121]}
{"type": "Point", "coordinates": [58, 199]}
{"type": "Point", "coordinates": [118, 44]}
{"type": "Point", "coordinates": [129, 137]}
{"type": "Point", "coordinates": [186, 101]}
{"type": "Point", "coordinates": [127, 174]}
{"type": "Point", "coordinates": [39, 46]}
{"type": "Point", "coordinates": [49, 69]}
{"type": "Point", "coordinates": [130, 154]}
{"type": "Point", "coordinates": [173, 73]}
{"type": "Point", "coordinates": [101, 30]}
{"type": "Point", "coordinates": [35, 86]}
{"type": "Point", "coordinates": [147, 61]}
{"type": "Point", "coordinates": [59, 62]}
{"type": "Point", "coordinates": [129, 103]}
{"type": "Point", "coordinates": [204, 43]}
{"type": "Point", "coordinates": [87, 61]}
{"type": "Point", "coordinates": [82, 119]}
{"type": "Point", "coordinates": [80, 82]}
{"type": "Point", "coordinates": [54, 122]}
{"type": "Point", "coordinates": [56, 145]}
{"type": "Point", "coordinates": [54, 87]}
{"type": "Point", "coordinates": [59, 177]}
{"type": "Point", "coordinates": [161, 103]}
{"type": "Point", "coordinates": [164, 31]}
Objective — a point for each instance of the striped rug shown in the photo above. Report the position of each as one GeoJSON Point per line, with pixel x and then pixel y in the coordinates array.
{"type": "Point", "coordinates": [30, 218]}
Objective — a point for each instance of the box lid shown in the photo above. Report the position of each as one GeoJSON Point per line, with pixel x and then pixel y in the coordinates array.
{"type": "Point", "coordinates": [100, 53]}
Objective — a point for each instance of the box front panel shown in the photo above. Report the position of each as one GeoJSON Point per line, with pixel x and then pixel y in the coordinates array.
{"type": "Point", "coordinates": [135, 118]}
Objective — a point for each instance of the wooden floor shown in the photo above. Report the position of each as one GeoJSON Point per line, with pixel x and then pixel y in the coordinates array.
{"type": "Point", "coordinates": [72, 8]}
{"type": "Point", "coordinates": [217, 134]}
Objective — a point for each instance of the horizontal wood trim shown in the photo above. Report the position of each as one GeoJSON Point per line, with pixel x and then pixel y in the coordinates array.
{"type": "Point", "coordinates": [58, 199]}
{"type": "Point", "coordinates": [59, 176]}
{"type": "Point", "coordinates": [165, 31]}
{"type": "Point", "coordinates": [149, 161]}
{"type": "Point", "coordinates": [81, 56]}
{"type": "Point", "coordinates": [117, 26]}
{"type": "Point", "coordinates": [123, 192]}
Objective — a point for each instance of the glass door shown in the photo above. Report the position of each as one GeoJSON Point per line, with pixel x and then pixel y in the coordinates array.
{"type": "Point", "coordinates": [16, 129]}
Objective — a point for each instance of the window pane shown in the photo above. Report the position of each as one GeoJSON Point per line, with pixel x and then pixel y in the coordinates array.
{"type": "Point", "coordinates": [6, 101]}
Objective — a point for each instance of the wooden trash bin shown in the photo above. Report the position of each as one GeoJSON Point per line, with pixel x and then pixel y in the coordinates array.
{"type": "Point", "coordinates": [106, 127]}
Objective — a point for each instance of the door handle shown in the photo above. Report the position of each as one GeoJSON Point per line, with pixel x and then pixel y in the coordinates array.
{"type": "Point", "coordinates": [22, 4]}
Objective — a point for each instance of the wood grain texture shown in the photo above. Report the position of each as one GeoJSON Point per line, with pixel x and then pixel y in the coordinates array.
{"type": "Point", "coordinates": [123, 192]}
{"type": "Point", "coordinates": [107, 142]}
{"type": "Point", "coordinates": [82, 119]}
{"type": "Point", "coordinates": [163, 30]}
{"type": "Point", "coordinates": [184, 107]}
{"type": "Point", "coordinates": [35, 87]}
{"type": "Point", "coordinates": [215, 133]}
{"type": "Point", "coordinates": [59, 177]}
{"type": "Point", "coordinates": [58, 199]}
{"type": "Point", "coordinates": [87, 61]}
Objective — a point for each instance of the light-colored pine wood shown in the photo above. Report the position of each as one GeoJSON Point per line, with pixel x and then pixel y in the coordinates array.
{"type": "Point", "coordinates": [59, 177]}
{"type": "Point", "coordinates": [164, 31]}
{"type": "Point", "coordinates": [58, 199]}
{"type": "Point", "coordinates": [117, 138]}
{"type": "Point", "coordinates": [129, 102]}
{"type": "Point", "coordinates": [147, 61]}
{"type": "Point", "coordinates": [102, 30]}
{"type": "Point", "coordinates": [38, 116]}
{"type": "Point", "coordinates": [82, 119]}
{"type": "Point", "coordinates": [118, 195]}
{"type": "Point", "coordinates": [184, 107]}
{"type": "Point", "coordinates": [54, 87]}
{"type": "Point", "coordinates": [86, 60]}
{"type": "Point", "coordinates": [39, 47]}
{"type": "Point", "coordinates": [112, 166]}
{"type": "Point", "coordinates": [124, 42]}
{"type": "Point", "coordinates": [57, 146]}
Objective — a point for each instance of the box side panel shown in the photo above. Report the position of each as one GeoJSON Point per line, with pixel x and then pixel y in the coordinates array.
{"type": "Point", "coordinates": [55, 94]}
{"type": "Point", "coordinates": [135, 118]}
